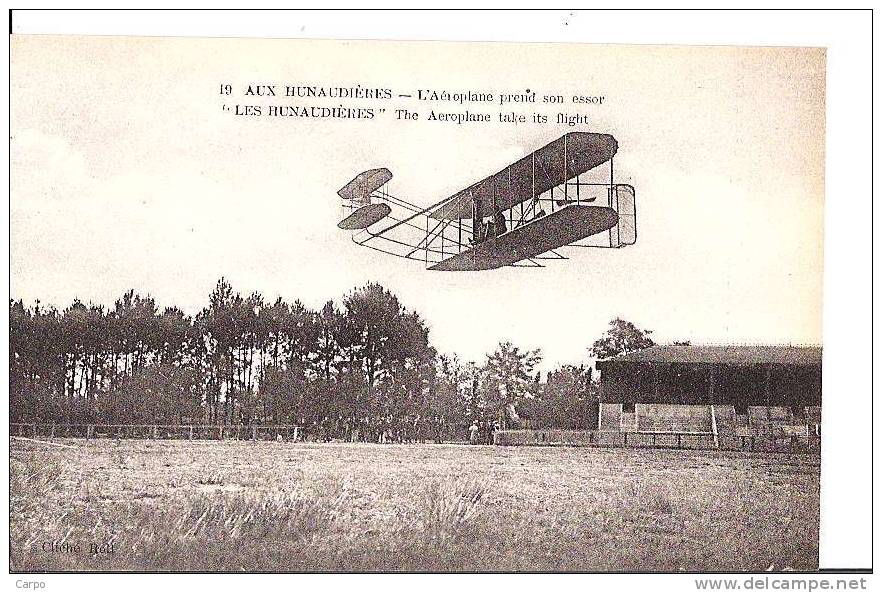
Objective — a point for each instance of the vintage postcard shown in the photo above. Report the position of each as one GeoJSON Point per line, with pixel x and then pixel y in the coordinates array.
{"type": "Point", "coordinates": [349, 306]}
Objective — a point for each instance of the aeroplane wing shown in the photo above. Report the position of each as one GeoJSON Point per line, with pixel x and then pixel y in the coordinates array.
{"type": "Point", "coordinates": [555, 163]}
{"type": "Point", "coordinates": [562, 227]}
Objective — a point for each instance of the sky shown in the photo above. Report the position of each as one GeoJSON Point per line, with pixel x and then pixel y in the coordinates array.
{"type": "Point", "coordinates": [126, 172]}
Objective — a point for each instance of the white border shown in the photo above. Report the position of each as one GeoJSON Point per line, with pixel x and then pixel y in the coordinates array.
{"type": "Point", "coordinates": [846, 481]}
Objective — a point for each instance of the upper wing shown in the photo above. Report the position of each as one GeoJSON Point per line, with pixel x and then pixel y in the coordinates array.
{"type": "Point", "coordinates": [555, 163]}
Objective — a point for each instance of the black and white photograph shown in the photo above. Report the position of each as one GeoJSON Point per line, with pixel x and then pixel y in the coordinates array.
{"type": "Point", "coordinates": [296, 305]}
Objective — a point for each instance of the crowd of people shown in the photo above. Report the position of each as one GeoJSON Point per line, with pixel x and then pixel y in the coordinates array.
{"type": "Point", "coordinates": [389, 429]}
{"type": "Point", "coordinates": [481, 432]}
{"type": "Point", "coordinates": [383, 429]}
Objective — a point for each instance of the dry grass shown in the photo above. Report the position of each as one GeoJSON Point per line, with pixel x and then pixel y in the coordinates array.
{"type": "Point", "coordinates": [175, 505]}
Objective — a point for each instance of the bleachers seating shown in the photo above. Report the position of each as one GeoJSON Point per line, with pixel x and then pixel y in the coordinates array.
{"type": "Point", "coordinates": [725, 415]}
{"type": "Point", "coordinates": [769, 420]}
{"type": "Point", "coordinates": [673, 418]}
{"type": "Point", "coordinates": [610, 416]}
{"type": "Point", "coordinates": [629, 422]}
{"type": "Point", "coordinates": [813, 415]}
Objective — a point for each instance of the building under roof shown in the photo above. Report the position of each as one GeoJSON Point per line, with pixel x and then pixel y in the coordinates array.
{"type": "Point", "coordinates": [669, 388]}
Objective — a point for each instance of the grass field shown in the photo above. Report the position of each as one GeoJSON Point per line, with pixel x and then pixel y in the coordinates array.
{"type": "Point", "coordinates": [266, 506]}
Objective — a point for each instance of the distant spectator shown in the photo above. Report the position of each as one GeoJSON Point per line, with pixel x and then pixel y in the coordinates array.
{"type": "Point", "coordinates": [473, 434]}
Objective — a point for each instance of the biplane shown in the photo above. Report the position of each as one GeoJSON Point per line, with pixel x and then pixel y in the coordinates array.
{"type": "Point", "coordinates": [527, 213]}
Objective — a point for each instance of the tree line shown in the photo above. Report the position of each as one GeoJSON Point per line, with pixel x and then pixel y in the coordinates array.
{"type": "Point", "coordinates": [362, 368]}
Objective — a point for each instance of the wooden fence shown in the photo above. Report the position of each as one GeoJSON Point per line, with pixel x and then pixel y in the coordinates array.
{"type": "Point", "coordinates": [662, 440]}
{"type": "Point", "coordinates": [548, 437]}
{"type": "Point", "coordinates": [288, 432]}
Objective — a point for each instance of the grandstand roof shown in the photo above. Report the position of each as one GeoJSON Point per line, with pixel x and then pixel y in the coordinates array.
{"type": "Point", "coordinates": [743, 355]}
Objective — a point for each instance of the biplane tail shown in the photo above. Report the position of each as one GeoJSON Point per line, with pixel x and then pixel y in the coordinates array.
{"type": "Point", "coordinates": [357, 199]}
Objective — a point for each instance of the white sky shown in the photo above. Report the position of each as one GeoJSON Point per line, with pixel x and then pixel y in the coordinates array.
{"type": "Point", "coordinates": [126, 173]}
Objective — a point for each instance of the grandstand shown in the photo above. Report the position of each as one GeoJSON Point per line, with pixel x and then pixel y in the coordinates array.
{"type": "Point", "coordinates": [764, 391]}
{"type": "Point", "coordinates": [751, 398]}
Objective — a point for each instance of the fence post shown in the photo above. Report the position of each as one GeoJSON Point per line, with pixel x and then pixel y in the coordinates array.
{"type": "Point", "coordinates": [191, 432]}
{"type": "Point", "coordinates": [679, 441]}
